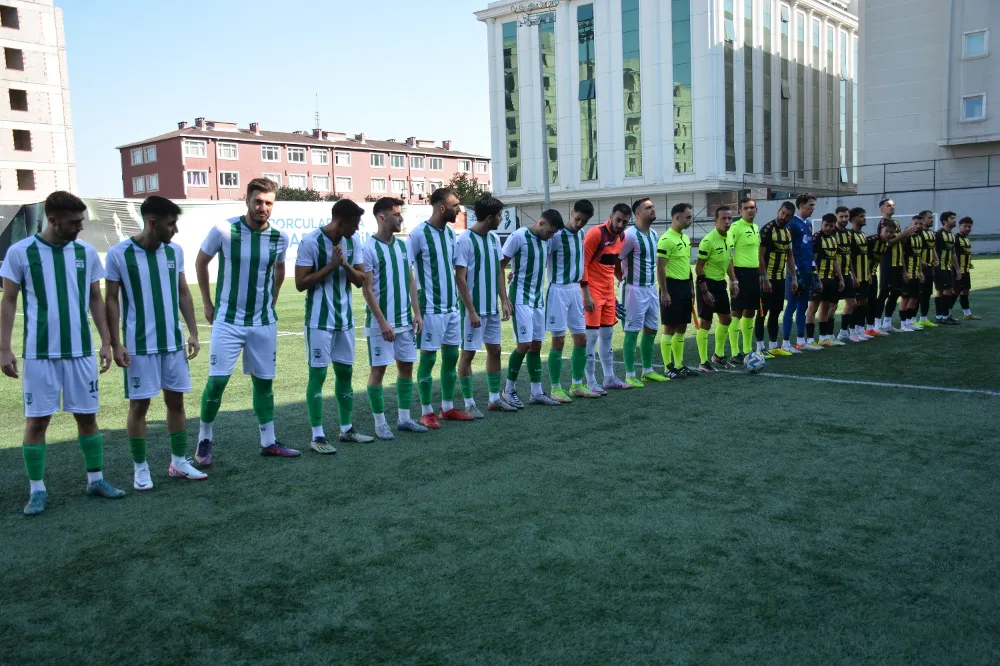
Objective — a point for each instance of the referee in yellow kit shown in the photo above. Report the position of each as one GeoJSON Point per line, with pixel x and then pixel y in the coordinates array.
{"type": "Point", "coordinates": [744, 237]}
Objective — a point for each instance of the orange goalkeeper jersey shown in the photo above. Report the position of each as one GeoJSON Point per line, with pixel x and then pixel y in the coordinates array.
{"type": "Point", "coordinates": [600, 254]}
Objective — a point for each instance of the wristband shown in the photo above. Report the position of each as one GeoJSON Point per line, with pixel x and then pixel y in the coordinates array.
{"type": "Point", "coordinates": [700, 279]}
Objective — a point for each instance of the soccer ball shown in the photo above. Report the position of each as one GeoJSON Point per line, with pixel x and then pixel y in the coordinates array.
{"type": "Point", "coordinates": [753, 363]}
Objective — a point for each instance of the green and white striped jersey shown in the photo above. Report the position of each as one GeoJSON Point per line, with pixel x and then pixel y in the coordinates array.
{"type": "Point", "coordinates": [481, 257]}
{"type": "Point", "coordinates": [638, 255]}
{"type": "Point", "coordinates": [244, 288]}
{"type": "Point", "coordinates": [55, 295]}
{"type": "Point", "coordinates": [390, 269]}
{"type": "Point", "coordinates": [527, 253]}
{"type": "Point", "coordinates": [432, 254]}
{"type": "Point", "coordinates": [566, 257]}
{"type": "Point", "coordinates": [328, 304]}
{"type": "Point", "coordinates": [151, 322]}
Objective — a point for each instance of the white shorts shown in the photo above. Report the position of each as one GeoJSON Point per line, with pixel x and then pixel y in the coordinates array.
{"type": "Point", "coordinates": [325, 347]}
{"type": "Point", "coordinates": [642, 308]}
{"type": "Point", "coordinates": [259, 345]}
{"type": "Point", "coordinates": [529, 324]}
{"type": "Point", "coordinates": [148, 373]}
{"type": "Point", "coordinates": [44, 379]}
{"type": "Point", "coordinates": [403, 348]}
{"type": "Point", "coordinates": [564, 309]}
{"type": "Point", "coordinates": [489, 332]}
{"type": "Point", "coordinates": [440, 329]}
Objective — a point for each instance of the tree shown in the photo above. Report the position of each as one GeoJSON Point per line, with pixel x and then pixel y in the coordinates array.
{"type": "Point", "coordinates": [332, 197]}
{"type": "Point", "coordinates": [468, 189]}
{"type": "Point", "coordinates": [297, 194]}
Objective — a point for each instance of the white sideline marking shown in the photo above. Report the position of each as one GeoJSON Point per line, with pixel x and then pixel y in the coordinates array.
{"type": "Point", "coordinates": [861, 382]}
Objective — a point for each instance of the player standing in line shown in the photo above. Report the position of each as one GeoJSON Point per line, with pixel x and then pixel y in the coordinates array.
{"type": "Point", "coordinates": [328, 263]}
{"type": "Point", "coordinates": [830, 275]}
{"type": "Point", "coordinates": [148, 273]}
{"type": "Point", "coordinates": [963, 254]}
{"type": "Point", "coordinates": [393, 319]}
{"type": "Point", "coordinates": [744, 237]}
{"type": "Point", "coordinates": [431, 247]}
{"type": "Point", "coordinates": [860, 264]}
{"type": "Point", "coordinates": [931, 260]}
{"type": "Point", "coordinates": [600, 268]}
{"type": "Point", "coordinates": [845, 244]}
{"type": "Point", "coordinates": [564, 303]}
{"type": "Point", "coordinates": [798, 299]}
{"type": "Point", "coordinates": [712, 268]}
{"type": "Point", "coordinates": [638, 261]}
{"type": "Point", "coordinates": [251, 270]}
{"type": "Point", "coordinates": [673, 276]}
{"type": "Point", "coordinates": [891, 267]}
{"type": "Point", "coordinates": [913, 276]}
{"type": "Point", "coordinates": [947, 274]}
{"type": "Point", "coordinates": [483, 292]}
{"type": "Point", "coordinates": [59, 279]}
{"type": "Point", "coordinates": [776, 257]}
{"type": "Point", "coordinates": [527, 248]}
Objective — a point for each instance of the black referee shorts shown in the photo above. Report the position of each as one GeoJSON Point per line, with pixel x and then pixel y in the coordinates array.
{"type": "Point", "coordinates": [749, 281]}
{"type": "Point", "coordinates": [720, 295]}
{"type": "Point", "coordinates": [679, 311]}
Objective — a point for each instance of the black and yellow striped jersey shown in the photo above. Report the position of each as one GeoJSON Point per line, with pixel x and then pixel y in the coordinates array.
{"type": "Point", "coordinates": [963, 252]}
{"type": "Point", "coordinates": [826, 252]}
{"type": "Point", "coordinates": [913, 250]}
{"type": "Point", "coordinates": [929, 239]}
{"type": "Point", "coordinates": [860, 252]}
{"type": "Point", "coordinates": [945, 243]}
{"type": "Point", "coordinates": [775, 239]}
{"type": "Point", "coordinates": [877, 249]}
{"type": "Point", "coordinates": [844, 247]}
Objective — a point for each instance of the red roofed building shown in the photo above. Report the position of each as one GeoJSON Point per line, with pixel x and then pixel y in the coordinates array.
{"type": "Point", "coordinates": [215, 160]}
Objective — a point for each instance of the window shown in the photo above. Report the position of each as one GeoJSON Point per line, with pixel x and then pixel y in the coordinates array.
{"type": "Point", "coordinates": [22, 140]}
{"type": "Point", "coordinates": [632, 87]}
{"type": "Point", "coordinates": [975, 44]}
{"type": "Point", "coordinates": [321, 183]}
{"type": "Point", "coordinates": [766, 83]}
{"type": "Point", "coordinates": [228, 151]}
{"type": "Point", "coordinates": [974, 107]}
{"type": "Point", "coordinates": [14, 59]}
{"type": "Point", "coordinates": [436, 184]}
{"type": "Point", "coordinates": [297, 181]}
{"type": "Point", "coordinates": [270, 153]}
{"type": "Point", "coordinates": [417, 162]}
{"type": "Point", "coordinates": [229, 178]}
{"type": "Point", "coordinates": [196, 178]}
{"type": "Point", "coordinates": [397, 162]}
{"type": "Point", "coordinates": [548, 37]}
{"type": "Point", "coordinates": [297, 155]}
{"type": "Point", "coordinates": [149, 154]}
{"type": "Point", "coordinates": [815, 73]}
{"type": "Point", "coordinates": [465, 166]}
{"type": "Point", "coordinates": [418, 186]}
{"type": "Point", "coordinates": [276, 177]}
{"type": "Point", "coordinates": [18, 99]}
{"type": "Point", "coordinates": [377, 161]}
{"type": "Point", "coordinates": [136, 154]}
{"type": "Point", "coordinates": [138, 185]}
{"type": "Point", "coordinates": [25, 179]}
{"type": "Point", "coordinates": [320, 156]}
{"type": "Point", "coordinates": [683, 121]}
{"type": "Point", "coordinates": [378, 185]}
{"type": "Point", "coordinates": [512, 107]}
{"type": "Point", "coordinates": [342, 159]}
{"type": "Point", "coordinates": [8, 17]}
{"type": "Point", "coordinates": [436, 164]}
{"type": "Point", "coordinates": [800, 90]}
{"type": "Point", "coordinates": [482, 167]}
{"type": "Point", "coordinates": [587, 96]}
{"type": "Point", "coordinates": [398, 185]}
{"type": "Point", "coordinates": [343, 184]}
{"type": "Point", "coordinates": [748, 136]}
{"type": "Point", "coordinates": [786, 93]}
{"type": "Point", "coordinates": [152, 182]}
{"type": "Point", "coordinates": [195, 149]}
{"type": "Point", "coordinates": [728, 56]}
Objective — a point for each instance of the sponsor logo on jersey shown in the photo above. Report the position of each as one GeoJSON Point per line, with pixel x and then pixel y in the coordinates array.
{"type": "Point", "coordinates": [80, 264]}
{"type": "Point", "coordinates": [170, 265]}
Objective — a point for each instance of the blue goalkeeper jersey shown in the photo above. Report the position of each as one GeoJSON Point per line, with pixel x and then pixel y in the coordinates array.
{"type": "Point", "coordinates": [802, 243]}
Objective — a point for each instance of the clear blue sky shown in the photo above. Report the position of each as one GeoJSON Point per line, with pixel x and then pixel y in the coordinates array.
{"type": "Point", "coordinates": [389, 68]}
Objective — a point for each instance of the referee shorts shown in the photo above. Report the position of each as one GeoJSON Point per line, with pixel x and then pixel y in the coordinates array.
{"type": "Point", "coordinates": [749, 281]}
{"type": "Point", "coordinates": [720, 304]}
{"type": "Point", "coordinates": [679, 312]}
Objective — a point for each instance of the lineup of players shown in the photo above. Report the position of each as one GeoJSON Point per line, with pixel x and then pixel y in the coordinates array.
{"type": "Point", "coordinates": [434, 293]}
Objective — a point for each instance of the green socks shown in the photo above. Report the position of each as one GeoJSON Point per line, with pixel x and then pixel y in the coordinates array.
{"type": "Point", "coordinates": [514, 365]}
{"type": "Point", "coordinates": [534, 366]}
{"type": "Point", "coordinates": [677, 344]}
{"type": "Point", "coordinates": [465, 383]}
{"type": "Point", "coordinates": [747, 326]}
{"type": "Point", "coordinates": [721, 331]}
{"type": "Point", "coordinates": [178, 446]}
{"type": "Point", "coordinates": [211, 399]}
{"type": "Point", "coordinates": [701, 337]}
{"type": "Point", "coordinates": [646, 350]}
{"type": "Point", "coordinates": [314, 396]}
{"type": "Point", "coordinates": [404, 394]}
{"type": "Point", "coordinates": [555, 367]}
{"type": "Point", "coordinates": [344, 392]}
{"type": "Point", "coordinates": [425, 383]}
{"type": "Point", "coordinates": [178, 443]}
{"type": "Point", "coordinates": [579, 364]}
{"type": "Point", "coordinates": [492, 382]}
{"type": "Point", "coordinates": [93, 451]}
{"type": "Point", "coordinates": [734, 336]}
{"type": "Point", "coordinates": [449, 361]}
{"type": "Point", "coordinates": [137, 446]}
{"type": "Point", "coordinates": [263, 399]}
{"type": "Point", "coordinates": [34, 460]}
{"type": "Point", "coordinates": [628, 351]}
{"type": "Point", "coordinates": [376, 399]}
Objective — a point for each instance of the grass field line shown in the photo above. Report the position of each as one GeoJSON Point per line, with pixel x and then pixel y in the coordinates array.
{"type": "Point", "coordinates": [861, 382]}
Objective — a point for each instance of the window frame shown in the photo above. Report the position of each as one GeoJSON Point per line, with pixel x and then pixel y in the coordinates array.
{"type": "Point", "coordinates": [350, 184]}
{"type": "Point", "coordinates": [187, 143]}
{"type": "Point", "coordinates": [16, 23]}
{"type": "Point", "coordinates": [392, 185]}
{"type": "Point", "coordinates": [25, 136]}
{"type": "Point", "coordinates": [985, 32]}
{"type": "Point", "coordinates": [30, 173]}
{"type": "Point", "coordinates": [342, 153]}
{"type": "Point", "coordinates": [187, 178]}
{"type": "Point", "coordinates": [12, 52]}
{"type": "Point", "coordinates": [234, 186]}
{"type": "Point", "coordinates": [961, 111]}
{"type": "Point", "coordinates": [305, 181]}
{"type": "Point", "coordinates": [295, 150]}
{"type": "Point", "coordinates": [276, 177]}
{"type": "Point", "coordinates": [372, 159]}
{"type": "Point", "coordinates": [145, 154]}
{"type": "Point", "coordinates": [132, 156]}
{"type": "Point", "coordinates": [269, 147]}
{"type": "Point", "coordinates": [392, 161]}
{"type": "Point", "coordinates": [317, 187]}
{"type": "Point", "coordinates": [150, 178]}
{"type": "Point", "coordinates": [319, 152]}
{"type": "Point", "coordinates": [439, 160]}
{"type": "Point", "coordinates": [485, 167]}
{"type": "Point", "coordinates": [141, 181]}
{"type": "Point", "coordinates": [11, 92]}
{"type": "Point", "coordinates": [218, 150]}
{"type": "Point", "coordinates": [414, 160]}
{"type": "Point", "coordinates": [414, 182]}
{"type": "Point", "coordinates": [371, 185]}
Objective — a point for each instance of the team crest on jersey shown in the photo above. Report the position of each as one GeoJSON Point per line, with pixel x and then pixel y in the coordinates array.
{"type": "Point", "coordinates": [170, 265]}
{"type": "Point", "coordinates": [136, 382]}
{"type": "Point", "coordinates": [28, 398]}
{"type": "Point", "coordinates": [212, 359]}
{"type": "Point", "coordinates": [80, 264]}
{"type": "Point", "coordinates": [273, 245]}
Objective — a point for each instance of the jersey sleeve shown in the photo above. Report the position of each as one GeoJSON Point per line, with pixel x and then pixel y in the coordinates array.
{"type": "Point", "coordinates": [414, 246]}
{"type": "Point", "coordinates": [591, 240]}
{"type": "Point", "coordinates": [368, 258]}
{"type": "Point", "coordinates": [14, 265]}
{"type": "Point", "coordinates": [308, 252]}
{"type": "Point", "coordinates": [213, 242]}
{"type": "Point", "coordinates": [112, 265]}
{"type": "Point", "coordinates": [282, 248]}
{"type": "Point", "coordinates": [705, 248]}
{"type": "Point", "coordinates": [514, 243]}
{"type": "Point", "coordinates": [95, 271]}
{"type": "Point", "coordinates": [663, 247]}
{"type": "Point", "coordinates": [628, 245]}
{"type": "Point", "coordinates": [463, 251]}
{"type": "Point", "coordinates": [179, 259]}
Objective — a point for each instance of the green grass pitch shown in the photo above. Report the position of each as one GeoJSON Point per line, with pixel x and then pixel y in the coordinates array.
{"type": "Point", "coordinates": [728, 519]}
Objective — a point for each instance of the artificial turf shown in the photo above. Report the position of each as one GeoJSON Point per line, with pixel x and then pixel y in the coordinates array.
{"type": "Point", "coordinates": [725, 519]}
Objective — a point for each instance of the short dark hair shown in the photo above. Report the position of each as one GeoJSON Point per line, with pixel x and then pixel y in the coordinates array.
{"type": "Point", "coordinates": [927, 214]}
{"type": "Point", "coordinates": [553, 218]}
{"type": "Point", "coordinates": [855, 212]}
{"type": "Point", "coordinates": [830, 217]}
{"type": "Point", "coordinates": [622, 208]}
{"type": "Point", "coordinates": [639, 202]}
{"type": "Point", "coordinates": [718, 211]}
{"type": "Point", "coordinates": [487, 206]}
{"type": "Point", "coordinates": [440, 194]}
{"type": "Point", "coordinates": [159, 207]}
{"type": "Point", "coordinates": [842, 209]}
{"type": "Point", "coordinates": [62, 201]}
{"type": "Point", "coordinates": [345, 209]}
{"type": "Point", "coordinates": [584, 207]}
{"type": "Point", "coordinates": [384, 204]}
{"type": "Point", "coordinates": [965, 220]}
{"type": "Point", "coordinates": [679, 209]}
{"type": "Point", "coordinates": [745, 200]}
{"type": "Point", "coordinates": [884, 201]}
{"type": "Point", "coordinates": [804, 198]}
{"type": "Point", "coordinates": [788, 205]}
{"type": "Point", "coordinates": [945, 215]}
{"type": "Point", "coordinates": [263, 185]}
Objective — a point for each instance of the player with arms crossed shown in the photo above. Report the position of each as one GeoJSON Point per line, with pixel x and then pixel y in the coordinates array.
{"type": "Point", "coordinates": [484, 304]}
{"type": "Point", "coordinates": [328, 263]}
{"type": "Point", "coordinates": [673, 276]}
{"type": "Point", "coordinates": [744, 238]}
{"type": "Point", "coordinates": [830, 276]}
{"type": "Point", "coordinates": [946, 275]}
{"type": "Point", "coordinates": [564, 303]}
{"type": "Point", "coordinates": [776, 258]}
{"type": "Point", "coordinates": [147, 271]}
{"type": "Point", "coordinates": [251, 270]}
{"type": "Point", "coordinates": [527, 248]}
{"type": "Point", "coordinates": [59, 278]}
{"type": "Point", "coordinates": [713, 266]}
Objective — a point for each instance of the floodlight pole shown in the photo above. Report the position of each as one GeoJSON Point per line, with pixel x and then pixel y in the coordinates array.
{"type": "Point", "coordinates": [540, 20]}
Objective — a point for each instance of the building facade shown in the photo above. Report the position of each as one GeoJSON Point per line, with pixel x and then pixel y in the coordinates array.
{"type": "Point", "coordinates": [36, 133]}
{"type": "Point", "coordinates": [215, 160]}
{"type": "Point", "coordinates": [680, 100]}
